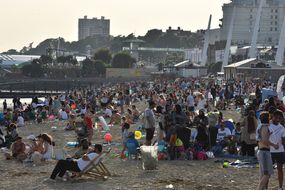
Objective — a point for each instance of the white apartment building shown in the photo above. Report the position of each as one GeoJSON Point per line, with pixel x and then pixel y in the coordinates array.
{"type": "Point", "coordinates": [271, 21]}
{"type": "Point", "coordinates": [90, 27]}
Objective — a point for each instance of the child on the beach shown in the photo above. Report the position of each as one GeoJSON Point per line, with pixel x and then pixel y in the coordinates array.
{"type": "Point", "coordinates": [125, 129]}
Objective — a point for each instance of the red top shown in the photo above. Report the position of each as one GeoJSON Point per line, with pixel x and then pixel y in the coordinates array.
{"type": "Point", "coordinates": [88, 122]}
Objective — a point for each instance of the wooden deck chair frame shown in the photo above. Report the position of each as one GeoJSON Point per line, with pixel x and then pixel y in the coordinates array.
{"type": "Point", "coordinates": [98, 170]}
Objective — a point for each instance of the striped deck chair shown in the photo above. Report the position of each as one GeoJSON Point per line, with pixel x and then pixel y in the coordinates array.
{"type": "Point", "coordinates": [96, 168]}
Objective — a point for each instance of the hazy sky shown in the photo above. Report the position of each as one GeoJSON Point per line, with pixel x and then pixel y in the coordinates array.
{"type": "Point", "coordinates": [26, 21]}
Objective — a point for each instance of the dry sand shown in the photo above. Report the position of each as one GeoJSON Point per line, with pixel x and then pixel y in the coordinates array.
{"type": "Point", "coordinates": [126, 174]}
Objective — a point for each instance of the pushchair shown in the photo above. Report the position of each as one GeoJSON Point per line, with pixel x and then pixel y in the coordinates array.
{"type": "Point", "coordinates": [81, 132]}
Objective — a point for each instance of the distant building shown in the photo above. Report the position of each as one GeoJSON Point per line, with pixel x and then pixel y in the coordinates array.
{"type": "Point", "coordinates": [253, 69]}
{"type": "Point", "coordinates": [90, 27]}
{"type": "Point", "coordinates": [186, 69]}
{"type": "Point", "coordinates": [271, 21]}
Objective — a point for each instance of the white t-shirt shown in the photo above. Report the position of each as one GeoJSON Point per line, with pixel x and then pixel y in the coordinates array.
{"type": "Point", "coordinates": [63, 115]}
{"type": "Point", "coordinates": [148, 113]}
{"type": "Point", "coordinates": [62, 98]}
{"type": "Point", "coordinates": [277, 133]}
{"type": "Point", "coordinates": [222, 134]}
{"type": "Point", "coordinates": [201, 104]}
{"type": "Point", "coordinates": [82, 163]}
{"type": "Point", "coordinates": [190, 101]}
{"type": "Point", "coordinates": [20, 121]}
{"type": "Point", "coordinates": [108, 112]}
{"type": "Point", "coordinates": [48, 154]}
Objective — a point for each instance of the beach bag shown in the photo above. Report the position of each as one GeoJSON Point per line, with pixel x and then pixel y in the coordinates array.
{"type": "Point", "coordinates": [210, 154]}
{"type": "Point", "coordinates": [201, 155]}
{"type": "Point", "coordinates": [178, 142]}
{"type": "Point", "coordinates": [149, 157]}
{"type": "Point", "coordinates": [189, 154]}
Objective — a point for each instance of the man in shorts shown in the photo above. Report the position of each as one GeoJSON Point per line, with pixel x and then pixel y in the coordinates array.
{"type": "Point", "coordinates": [149, 122]}
{"type": "Point", "coordinates": [277, 137]}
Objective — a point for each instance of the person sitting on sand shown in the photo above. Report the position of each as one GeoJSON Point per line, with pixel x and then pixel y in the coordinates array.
{"type": "Point", "coordinates": [131, 145]}
{"type": "Point", "coordinates": [136, 113]}
{"type": "Point", "coordinates": [46, 142]}
{"type": "Point", "coordinates": [115, 118]}
{"type": "Point", "coordinates": [18, 150]}
{"type": "Point", "coordinates": [63, 115]}
{"type": "Point", "coordinates": [107, 112]}
{"type": "Point", "coordinates": [237, 133]}
{"type": "Point", "coordinates": [34, 149]}
{"type": "Point", "coordinates": [71, 122]}
{"type": "Point", "coordinates": [12, 134]}
{"type": "Point", "coordinates": [75, 165]}
{"type": "Point", "coordinates": [223, 138]}
{"type": "Point", "coordinates": [9, 115]}
{"type": "Point", "coordinates": [20, 120]}
{"type": "Point", "coordinates": [129, 116]}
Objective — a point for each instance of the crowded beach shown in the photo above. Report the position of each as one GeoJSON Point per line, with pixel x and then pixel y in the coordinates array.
{"type": "Point", "coordinates": [163, 134]}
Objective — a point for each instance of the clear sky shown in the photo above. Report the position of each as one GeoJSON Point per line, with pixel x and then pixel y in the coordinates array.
{"type": "Point", "coordinates": [26, 21]}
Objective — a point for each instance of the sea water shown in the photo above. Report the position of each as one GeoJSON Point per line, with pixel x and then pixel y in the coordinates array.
{"type": "Point", "coordinates": [10, 101]}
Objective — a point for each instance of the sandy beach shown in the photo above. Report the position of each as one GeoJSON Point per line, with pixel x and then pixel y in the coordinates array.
{"type": "Point", "coordinates": [126, 174]}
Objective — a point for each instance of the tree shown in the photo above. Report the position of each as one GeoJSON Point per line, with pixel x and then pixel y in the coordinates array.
{"type": "Point", "coordinates": [100, 67]}
{"type": "Point", "coordinates": [123, 60]}
{"type": "Point", "coordinates": [74, 61]}
{"type": "Point", "coordinates": [152, 36]}
{"type": "Point", "coordinates": [45, 59]}
{"type": "Point", "coordinates": [11, 52]}
{"type": "Point", "coordinates": [103, 55]}
{"type": "Point", "coordinates": [88, 67]}
{"type": "Point", "coordinates": [173, 58]}
{"type": "Point", "coordinates": [215, 67]}
{"type": "Point", "coordinates": [34, 69]}
{"type": "Point", "coordinates": [62, 60]}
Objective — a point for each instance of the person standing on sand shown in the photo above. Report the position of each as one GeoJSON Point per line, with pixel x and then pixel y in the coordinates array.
{"type": "Point", "coordinates": [263, 154]}
{"type": "Point", "coordinates": [4, 105]}
{"type": "Point", "coordinates": [149, 123]}
{"type": "Point", "coordinates": [277, 137]}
